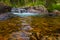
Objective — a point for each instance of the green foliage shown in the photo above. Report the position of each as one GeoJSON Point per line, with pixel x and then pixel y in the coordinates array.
{"type": "Point", "coordinates": [18, 3]}
{"type": "Point", "coordinates": [49, 4]}
{"type": "Point", "coordinates": [54, 7]}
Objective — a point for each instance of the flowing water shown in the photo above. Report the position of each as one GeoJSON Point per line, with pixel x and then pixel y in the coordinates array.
{"type": "Point", "coordinates": [24, 33]}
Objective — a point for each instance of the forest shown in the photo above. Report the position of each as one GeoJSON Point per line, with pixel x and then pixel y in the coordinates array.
{"type": "Point", "coordinates": [49, 4]}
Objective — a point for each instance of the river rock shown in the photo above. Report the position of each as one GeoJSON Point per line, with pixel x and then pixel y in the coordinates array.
{"type": "Point", "coordinates": [37, 9]}
{"type": "Point", "coordinates": [42, 9]}
{"type": "Point", "coordinates": [56, 12]}
{"type": "Point", "coordinates": [4, 8]}
{"type": "Point", "coordinates": [4, 16]}
{"type": "Point", "coordinates": [19, 35]}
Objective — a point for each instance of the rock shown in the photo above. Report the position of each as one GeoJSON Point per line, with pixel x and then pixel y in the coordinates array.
{"type": "Point", "coordinates": [37, 9]}
{"type": "Point", "coordinates": [1, 38]}
{"type": "Point", "coordinates": [56, 12]}
{"type": "Point", "coordinates": [18, 35]}
{"type": "Point", "coordinates": [4, 16]}
{"type": "Point", "coordinates": [4, 8]}
{"type": "Point", "coordinates": [42, 9]}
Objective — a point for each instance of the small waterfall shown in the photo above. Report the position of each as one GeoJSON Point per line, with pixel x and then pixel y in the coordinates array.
{"type": "Point", "coordinates": [22, 12]}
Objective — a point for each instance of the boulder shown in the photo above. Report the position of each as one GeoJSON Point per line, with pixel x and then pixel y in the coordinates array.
{"type": "Point", "coordinates": [56, 12]}
{"type": "Point", "coordinates": [4, 8]}
{"type": "Point", "coordinates": [37, 9]}
{"type": "Point", "coordinates": [42, 9]}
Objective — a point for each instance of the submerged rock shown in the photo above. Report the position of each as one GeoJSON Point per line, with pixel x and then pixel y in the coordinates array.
{"type": "Point", "coordinates": [4, 16]}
